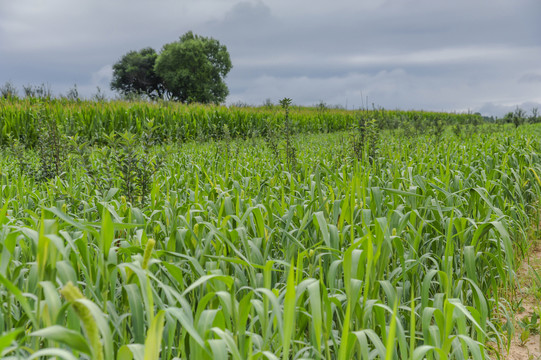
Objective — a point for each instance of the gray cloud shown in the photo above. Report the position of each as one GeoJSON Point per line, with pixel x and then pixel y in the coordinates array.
{"type": "Point", "coordinates": [492, 108]}
{"type": "Point", "coordinates": [401, 53]}
{"type": "Point", "coordinates": [530, 78]}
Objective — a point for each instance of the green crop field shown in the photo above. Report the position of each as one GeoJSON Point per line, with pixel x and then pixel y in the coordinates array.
{"type": "Point", "coordinates": [163, 231]}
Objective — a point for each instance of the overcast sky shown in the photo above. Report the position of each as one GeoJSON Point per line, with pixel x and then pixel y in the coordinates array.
{"type": "Point", "coordinates": [460, 55]}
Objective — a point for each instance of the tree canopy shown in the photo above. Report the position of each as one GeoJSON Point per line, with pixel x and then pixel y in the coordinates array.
{"type": "Point", "coordinates": [134, 74]}
{"type": "Point", "coordinates": [191, 69]}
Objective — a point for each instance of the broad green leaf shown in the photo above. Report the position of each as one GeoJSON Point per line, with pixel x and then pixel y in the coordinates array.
{"type": "Point", "coordinates": [289, 311]}
{"type": "Point", "coordinates": [153, 340]}
{"type": "Point", "coordinates": [69, 337]}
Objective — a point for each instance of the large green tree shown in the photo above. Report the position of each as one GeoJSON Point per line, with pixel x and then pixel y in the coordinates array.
{"type": "Point", "coordinates": [134, 74]}
{"type": "Point", "coordinates": [193, 69]}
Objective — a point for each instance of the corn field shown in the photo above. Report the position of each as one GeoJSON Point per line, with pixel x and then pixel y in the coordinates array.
{"type": "Point", "coordinates": [173, 122]}
{"type": "Point", "coordinates": [398, 247]}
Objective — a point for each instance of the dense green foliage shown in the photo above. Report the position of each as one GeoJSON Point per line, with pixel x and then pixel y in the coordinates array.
{"type": "Point", "coordinates": [134, 74]}
{"type": "Point", "coordinates": [191, 69]}
{"type": "Point", "coordinates": [371, 244]}
{"type": "Point", "coordinates": [93, 121]}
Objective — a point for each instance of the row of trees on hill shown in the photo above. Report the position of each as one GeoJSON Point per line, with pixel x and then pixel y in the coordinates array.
{"type": "Point", "coordinates": [191, 69]}
{"type": "Point", "coordinates": [520, 117]}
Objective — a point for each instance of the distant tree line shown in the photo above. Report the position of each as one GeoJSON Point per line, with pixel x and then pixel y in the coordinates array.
{"type": "Point", "coordinates": [520, 117]}
{"type": "Point", "coordinates": [44, 91]}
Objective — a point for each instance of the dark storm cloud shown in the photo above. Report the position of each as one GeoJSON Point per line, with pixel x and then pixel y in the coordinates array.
{"type": "Point", "coordinates": [63, 42]}
{"type": "Point", "coordinates": [435, 55]}
{"type": "Point", "coordinates": [465, 52]}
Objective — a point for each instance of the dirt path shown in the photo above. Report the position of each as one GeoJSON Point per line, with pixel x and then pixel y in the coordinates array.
{"type": "Point", "coordinates": [529, 298]}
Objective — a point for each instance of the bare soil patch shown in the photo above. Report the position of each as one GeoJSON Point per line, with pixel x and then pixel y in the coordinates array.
{"type": "Point", "coordinates": [527, 303]}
